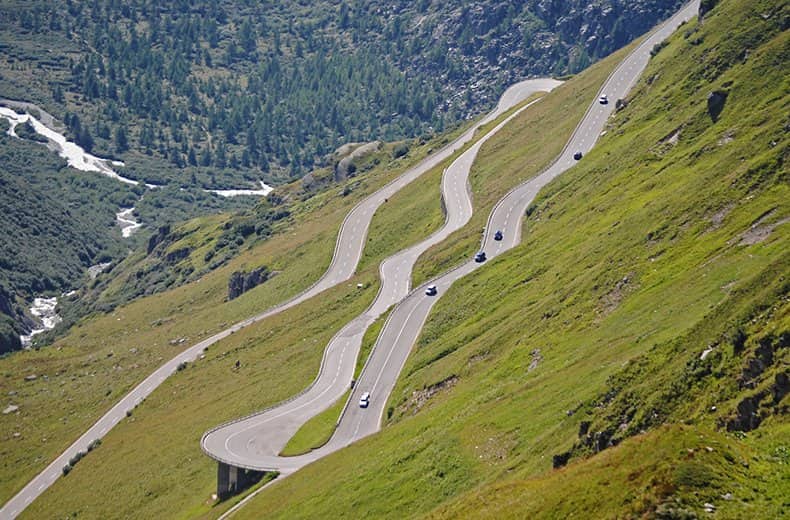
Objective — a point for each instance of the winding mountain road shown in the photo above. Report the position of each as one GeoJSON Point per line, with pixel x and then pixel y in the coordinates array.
{"type": "Point", "coordinates": [255, 441]}
{"type": "Point", "coordinates": [348, 251]}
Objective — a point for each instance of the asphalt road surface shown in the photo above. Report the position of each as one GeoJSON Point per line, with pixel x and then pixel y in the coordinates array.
{"type": "Point", "coordinates": [405, 322]}
{"type": "Point", "coordinates": [347, 253]}
{"type": "Point", "coordinates": [254, 442]}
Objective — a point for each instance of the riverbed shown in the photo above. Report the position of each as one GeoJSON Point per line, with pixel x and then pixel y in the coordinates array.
{"type": "Point", "coordinates": [264, 191]}
{"type": "Point", "coordinates": [44, 310]}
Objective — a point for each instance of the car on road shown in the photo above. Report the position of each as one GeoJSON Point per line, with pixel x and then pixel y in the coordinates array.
{"type": "Point", "coordinates": [364, 401]}
{"type": "Point", "coordinates": [480, 257]}
{"type": "Point", "coordinates": [603, 100]}
{"type": "Point", "coordinates": [577, 155]}
{"type": "Point", "coordinates": [431, 290]}
{"type": "Point", "coordinates": [498, 235]}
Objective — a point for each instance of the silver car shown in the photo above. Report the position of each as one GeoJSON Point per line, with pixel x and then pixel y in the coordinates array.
{"type": "Point", "coordinates": [364, 401]}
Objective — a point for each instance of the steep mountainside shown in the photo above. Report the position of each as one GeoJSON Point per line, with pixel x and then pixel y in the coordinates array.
{"type": "Point", "coordinates": [220, 95]}
{"type": "Point", "coordinates": [58, 221]}
{"type": "Point", "coordinates": [234, 90]}
{"type": "Point", "coordinates": [53, 227]}
{"type": "Point", "coordinates": [630, 358]}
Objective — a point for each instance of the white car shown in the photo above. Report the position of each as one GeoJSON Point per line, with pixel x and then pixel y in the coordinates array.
{"type": "Point", "coordinates": [431, 290]}
{"type": "Point", "coordinates": [364, 401]}
{"type": "Point", "coordinates": [603, 99]}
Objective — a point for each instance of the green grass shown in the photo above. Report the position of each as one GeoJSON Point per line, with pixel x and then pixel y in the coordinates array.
{"type": "Point", "coordinates": [165, 431]}
{"type": "Point", "coordinates": [676, 469]}
{"type": "Point", "coordinates": [315, 432]}
{"type": "Point", "coordinates": [541, 132]}
{"type": "Point", "coordinates": [105, 355]}
{"type": "Point", "coordinates": [211, 509]}
{"type": "Point", "coordinates": [415, 212]}
{"type": "Point", "coordinates": [368, 341]}
{"type": "Point", "coordinates": [644, 252]}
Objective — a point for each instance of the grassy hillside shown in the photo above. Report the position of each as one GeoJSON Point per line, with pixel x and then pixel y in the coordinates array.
{"type": "Point", "coordinates": [662, 472]}
{"type": "Point", "coordinates": [669, 238]}
{"type": "Point", "coordinates": [121, 347]}
{"type": "Point", "coordinates": [105, 354]}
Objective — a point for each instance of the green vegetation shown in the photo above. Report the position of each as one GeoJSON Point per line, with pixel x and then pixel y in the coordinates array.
{"type": "Point", "coordinates": [368, 341]}
{"type": "Point", "coordinates": [315, 432]}
{"type": "Point", "coordinates": [59, 221]}
{"type": "Point", "coordinates": [165, 430]}
{"type": "Point", "coordinates": [56, 223]}
{"type": "Point", "coordinates": [50, 218]}
{"type": "Point", "coordinates": [491, 179]}
{"type": "Point", "coordinates": [672, 472]}
{"type": "Point", "coordinates": [232, 91]}
{"type": "Point", "coordinates": [670, 238]}
{"type": "Point", "coordinates": [105, 355]}
{"type": "Point", "coordinates": [212, 509]}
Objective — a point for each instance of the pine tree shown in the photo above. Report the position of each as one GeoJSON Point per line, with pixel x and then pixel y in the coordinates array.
{"type": "Point", "coordinates": [121, 142]}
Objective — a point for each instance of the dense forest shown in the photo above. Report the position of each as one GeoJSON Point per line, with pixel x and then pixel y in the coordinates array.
{"type": "Point", "coordinates": [272, 87]}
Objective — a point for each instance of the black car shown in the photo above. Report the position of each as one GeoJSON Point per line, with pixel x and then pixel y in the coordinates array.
{"type": "Point", "coordinates": [577, 155]}
{"type": "Point", "coordinates": [480, 257]}
{"type": "Point", "coordinates": [498, 235]}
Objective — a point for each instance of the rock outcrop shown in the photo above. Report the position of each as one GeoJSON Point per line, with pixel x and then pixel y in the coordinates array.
{"type": "Point", "coordinates": [241, 282]}
{"type": "Point", "coordinates": [157, 238]}
{"type": "Point", "coordinates": [716, 101]}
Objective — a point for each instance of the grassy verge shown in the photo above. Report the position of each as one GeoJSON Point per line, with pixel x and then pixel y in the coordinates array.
{"type": "Point", "coordinates": [315, 432]}
{"type": "Point", "coordinates": [368, 341]}
{"type": "Point", "coordinates": [647, 251]}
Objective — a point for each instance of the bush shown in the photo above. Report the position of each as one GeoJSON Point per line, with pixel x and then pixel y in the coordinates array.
{"type": "Point", "coordinates": [400, 150]}
{"type": "Point", "coordinates": [657, 48]}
